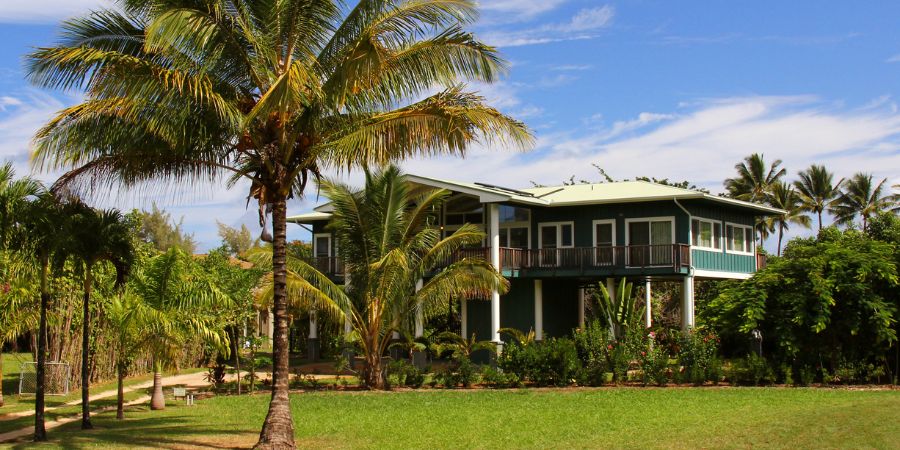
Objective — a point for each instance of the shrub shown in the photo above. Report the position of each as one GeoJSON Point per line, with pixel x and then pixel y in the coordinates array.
{"type": "Point", "coordinates": [697, 356]}
{"type": "Point", "coordinates": [591, 346]}
{"type": "Point", "coordinates": [552, 362]}
{"type": "Point", "coordinates": [402, 373]}
{"type": "Point", "coordinates": [654, 362]}
{"type": "Point", "coordinates": [463, 372]}
{"type": "Point", "coordinates": [752, 370]}
{"type": "Point", "coordinates": [497, 378]}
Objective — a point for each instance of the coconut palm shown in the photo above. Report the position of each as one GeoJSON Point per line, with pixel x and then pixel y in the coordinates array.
{"type": "Point", "coordinates": [754, 178]}
{"type": "Point", "coordinates": [385, 238]}
{"type": "Point", "coordinates": [97, 236]}
{"type": "Point", "coordinates": [269, 92]}
{"type": "Point", "coordinates": [180, 303]}
{"type": "Point", "coordinates": [783, 196]}
{"type": "Point", "coordinates": [896, 198]}
{"type": "Point", "coordinates": [861, 197]}
{"type": "Point", "coordinates": [817, 190]}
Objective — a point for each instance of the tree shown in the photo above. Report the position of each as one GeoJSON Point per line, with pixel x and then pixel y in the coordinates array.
{"type": "Point", "coordinates": [271, 93]}
{"type": "Point", "coordinates": [97, 236]}
{"type": "Point", "coordinates": [754, 178]}
{"type": "Point", "coordinates": [158, 228]}
{"type": "Point", "coordinates": [783, 196]}
{"type": "Point", "coordinates": [384, 234]}
{"type": "Point", "coordinates": [237, 241]}
{"type": "Point", "coordinates": [180, 303]}
{"type": "Point", "coordinates": [14, 198]}
{"type": "Point", "coordinates": [860, 197]}
{"type": "Point", "coordinates": [619, 314]}
{"type": "Point", "coordinates": [817, 191]}
{"type": "Point", "coordinates": [46, 227]}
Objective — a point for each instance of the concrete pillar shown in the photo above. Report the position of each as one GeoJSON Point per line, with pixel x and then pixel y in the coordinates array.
{"type": "Point", "coordinates": [464, 318]}
{"type": "Point", "coordinates": [395, 352]}
{"type": "Point", "coordinates": [494, 217]}
{"type": "Point", "coordinates": [313, 347]}
{"type": "Point", "coordinates": [270, 326]}
{"type": "Point", "coordinates": [687, 304]}
{"type": "Point", "coordinates": [580, 307]}
{"type": "Point", "coordinates": [419, 357]}
{"type": "Point", "coordinates": [538, 310]}
{"type": "Point", "coordinates": [648, 311]}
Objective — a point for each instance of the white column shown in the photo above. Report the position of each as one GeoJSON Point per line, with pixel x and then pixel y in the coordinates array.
{"type": "Point", "coordinates": [687, 305]}
{"type": "Point", "coordinates": [270, 322]}
{"type": "Point", "coordinates": [464, 318]}
{"type": "Point", "coordinates": [580, 307]}
{"type": "Point", "coordinates": [494, 216]}
{"type": "Point", "coordinates": [538, 310]}
{"type": "Point", "coordinates": [611, 287]}
{"type": "Point", "coordinates": [420, 315]}
{"type": "Point", "coordinates": [348, 327]}
{"type": "Point", "coordinates": [313, 326]}
{"type": "Point", "coordinates": [648, 311]}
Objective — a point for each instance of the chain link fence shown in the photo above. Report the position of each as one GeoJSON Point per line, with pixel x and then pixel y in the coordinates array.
{"type": "Point", "coordinates": [56, 378]}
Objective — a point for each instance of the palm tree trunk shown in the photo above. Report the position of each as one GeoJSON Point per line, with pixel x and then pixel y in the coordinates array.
{"type": "Point", "coordinates": [780, 234]}
{"type": "Point", "coordinates": [85, 370]}
{"type": "Point", "coordinates": [820, 220]}
{"type": "Point", "coordinates": [237, 358]}
{"type": "Point", "coordinates": [120, 391]}
{"type": "Point", "coordinates": [40, 433]}
{"type": "Point", "coordinates": [157, 399]}
{"type": "Point", "coordinates": [278, 428]}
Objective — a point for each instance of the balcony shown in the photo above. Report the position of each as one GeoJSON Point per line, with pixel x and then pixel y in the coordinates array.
{"type": "Point", "coordinates": [573, 260]}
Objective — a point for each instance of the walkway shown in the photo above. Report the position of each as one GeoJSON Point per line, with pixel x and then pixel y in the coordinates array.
{"type": "Point", "coordinates": [191, 381]}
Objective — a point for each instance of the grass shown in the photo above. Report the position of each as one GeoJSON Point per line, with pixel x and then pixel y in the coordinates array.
{"type": "Point", "coordinates": [538, 418]}
{"type": "Point", "coordinates": [15, 403]}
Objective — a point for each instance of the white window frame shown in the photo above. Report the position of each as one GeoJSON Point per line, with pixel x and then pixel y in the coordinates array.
{"type": "Point", "coordinates": [558, 226]}
{"type": "Point", "coordinates": [742, 227]}
{"type": "Point", "coordinates": [600, 222]}
{"type": "Point", "coordinates": [670, 219]}
{"type": "Point", "coordinates": [315, 249]}
{"type": "Point", "coordinates": [718, 238]}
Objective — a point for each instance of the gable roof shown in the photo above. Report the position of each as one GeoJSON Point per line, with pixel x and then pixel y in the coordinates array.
{"type": "Point", "coordinates": [567, 195]}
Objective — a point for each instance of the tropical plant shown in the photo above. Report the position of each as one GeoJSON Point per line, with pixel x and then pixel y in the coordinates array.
{"type": "Point", "coordinates": [127, 327]}
{"type": "Point", "coordinates": [269, 92]}
{"type": "Point", "coordinates": [177, 302]}
{"type": "Point", "coordinates": [460, 347]}
{"type": "Point", "coordinates": [784, 197]}
{"type": "Point", "coordinates": [385, 238]}
{"type": "Point", "coordinates": [620, 314]}
{"type": "Point", "coordinates": [754, 178]}
{"type": "Point", "coordinates": [817, 190]}
{"type": "Point", "coordinates": [521, 337]}
{"type": "Point", "coordinates": [97, 236]}
{"type": "Point", "coordinates": [860, 197]}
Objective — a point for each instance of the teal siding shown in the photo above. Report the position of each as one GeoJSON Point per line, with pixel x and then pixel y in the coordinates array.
{"type": "Point", "coordinates": [584, 216]}
{"type": "Point", "coordinates": [723, 262]}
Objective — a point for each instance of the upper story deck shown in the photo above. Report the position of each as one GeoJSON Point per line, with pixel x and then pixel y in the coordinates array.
{"type": "Point", "coordinates": [612, 229]}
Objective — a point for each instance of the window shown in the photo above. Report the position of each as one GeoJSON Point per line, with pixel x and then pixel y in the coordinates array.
{"type": "Point", "coordinates": [515, 227]}
{"type": "Point", "coordinates": [460, 210]}
{"type": "Point", "coordinates": [553, 238]}
{"type": "Point", "coordinates": [516, 237]}
{"type": "Point", "coordinates": [604, 242]}
{"type": "Point", "coordinates": [514, 214]}
{"type": "Point", "coordinates": [322, 245]}
{"type": "Point", "coordinates": [706, 234]}
{"type": "Point", "coordinates": [739, 238]}
{"type": "Point", "coordinates": [650, 241]}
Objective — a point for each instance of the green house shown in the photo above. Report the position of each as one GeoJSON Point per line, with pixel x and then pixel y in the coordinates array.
{"type": "Point", "coordinates": [552, 242]}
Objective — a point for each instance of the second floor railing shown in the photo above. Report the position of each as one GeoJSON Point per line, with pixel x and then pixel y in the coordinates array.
{"type": "Point", "coordinates": [676, 256]}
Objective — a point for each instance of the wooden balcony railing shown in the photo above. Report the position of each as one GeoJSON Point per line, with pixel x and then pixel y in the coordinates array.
{"type": "Point", "coordinates": [675, 256]}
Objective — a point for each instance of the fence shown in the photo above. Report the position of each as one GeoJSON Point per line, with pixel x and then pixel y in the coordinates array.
{"type": "Point", "coordinates": [56, 378]}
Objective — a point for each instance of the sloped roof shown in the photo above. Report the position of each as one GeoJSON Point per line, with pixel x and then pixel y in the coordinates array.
{"type": "Point", "coordinates": [567, 195]}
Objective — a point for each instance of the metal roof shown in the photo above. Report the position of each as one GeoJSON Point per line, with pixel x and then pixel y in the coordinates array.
{"type": "Point", "coordinates": [567, 195]}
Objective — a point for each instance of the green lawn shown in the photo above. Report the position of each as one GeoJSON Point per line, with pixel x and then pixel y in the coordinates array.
{"type": "Point", "coordinates": [571, 418]}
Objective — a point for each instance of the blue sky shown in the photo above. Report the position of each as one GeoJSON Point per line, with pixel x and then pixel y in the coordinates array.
{"type": "Point", "coordinates": [679, 90]}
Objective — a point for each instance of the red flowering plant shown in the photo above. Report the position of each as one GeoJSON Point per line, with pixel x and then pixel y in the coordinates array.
{"type": "Point", "coordinates": [698, 356]}
{"type": "Point", "coordinates": [653, 360]}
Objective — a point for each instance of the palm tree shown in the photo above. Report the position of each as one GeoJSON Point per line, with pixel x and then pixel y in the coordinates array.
{"type": "Point", "coordinates": [180, 302]}
{"type": "Point", "coordinates": [783, 196]}
{"type": "Point", "coordinates": [46, 227]}
{"type": "Point", "coordinates": [860, 197]}
{"type": "Point", "coordinates": [384, 236]}
{"type": "Point", "coordinates": [98, 236]}
{"type": "Point", "coordinates": [896, 198]}
{"type": "Point", "coordinates": [269, 92]}
{"type": "Point", "coordinates": [754, 178]}
{"type": "Point", "coordinates": [14, 197]}
{"type": "Point", "coordinates": [816, 189]}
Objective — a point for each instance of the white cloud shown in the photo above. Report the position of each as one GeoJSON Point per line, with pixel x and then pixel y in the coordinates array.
{"type": "Point", "coordinates": [583, 25]}
{"type": "Point", "coordinates": [45, 11]}
{"type": "Point", "coordinates": [517, 10]}
{"type": "Point", "coordinates": [893, 59]}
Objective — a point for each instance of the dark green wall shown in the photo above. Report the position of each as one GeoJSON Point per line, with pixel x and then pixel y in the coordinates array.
{"type": "Point", "coordinates": [517, 309]}
{"type": "Point", "coordinates": [560, 307]}
{"type": "Point", "coordinates": [584, 216]}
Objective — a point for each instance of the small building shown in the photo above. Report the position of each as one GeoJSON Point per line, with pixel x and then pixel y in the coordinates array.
{"type": "Point", "coordinates": [552, 242]}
